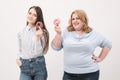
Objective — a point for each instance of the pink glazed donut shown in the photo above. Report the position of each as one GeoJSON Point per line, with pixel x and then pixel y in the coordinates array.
{"type": "Point", "coordinates": [56, 22]}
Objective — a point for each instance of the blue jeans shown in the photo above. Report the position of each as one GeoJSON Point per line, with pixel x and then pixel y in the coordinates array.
{"type": "Point", "coordinates": [87, 76]}
{"type": "Point", "coordinates": [33, 69]}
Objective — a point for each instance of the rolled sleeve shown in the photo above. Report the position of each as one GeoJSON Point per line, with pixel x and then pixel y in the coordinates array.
{"type": "Point", "coordinates": [55, 48]}
{"type": "Point", "coordinates": [106, 43]}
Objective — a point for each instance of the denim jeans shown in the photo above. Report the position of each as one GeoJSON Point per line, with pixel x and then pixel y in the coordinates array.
{"type": "Point", "coordinates": [33, 69]}
{"type": "Point", "coordinates": [88, 76]}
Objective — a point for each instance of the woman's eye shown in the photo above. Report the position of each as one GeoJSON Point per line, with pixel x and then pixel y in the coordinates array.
{"type": "Point", "coordinates": [29, 12]}
{"type": "Point", "coordinates": [35, 15]}
{"type": "Point", "coordinates": [77, 18]}
{"type": "Point", "coordinates": [73, 18]}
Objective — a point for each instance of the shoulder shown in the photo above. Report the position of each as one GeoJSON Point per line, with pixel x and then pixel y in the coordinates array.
{"type": "Point", "coordinates": [93, 32]}
{"type": "Point", "coordinates": [97, 34]}
{"type": "Point", "coordinates": [65, 31]}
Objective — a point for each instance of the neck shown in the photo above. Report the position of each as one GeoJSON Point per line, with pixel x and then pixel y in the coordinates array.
{"type": "Point", "coordinates": [31, 25]}
{"type": "Point", "coordinates": [80, 32]}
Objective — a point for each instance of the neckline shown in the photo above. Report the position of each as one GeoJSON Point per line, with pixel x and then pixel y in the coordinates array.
{"type": "Point", "coordinates": [76, 35]}
{"type": "Point", "coordinates": [30, 28]}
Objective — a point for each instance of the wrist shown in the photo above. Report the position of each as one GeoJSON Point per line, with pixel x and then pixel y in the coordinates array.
{"type": "Point", "coordinates": [58, 34]}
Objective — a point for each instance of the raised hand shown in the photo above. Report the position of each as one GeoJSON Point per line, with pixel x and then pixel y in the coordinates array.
{"type": "Point", "coordinates": [56, 22]}
{"type": "Point", "coordinates": [39, 24]}
{"type": "Point", "coordinates": [39, 31]}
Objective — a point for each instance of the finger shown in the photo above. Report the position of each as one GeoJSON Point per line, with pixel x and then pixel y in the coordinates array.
{"type": "Point", "coordinates": [39, 28]}
{"type": "Point", "coordinates": [56, 26]}
{"type": "Point", "coordinates": [94, 57]}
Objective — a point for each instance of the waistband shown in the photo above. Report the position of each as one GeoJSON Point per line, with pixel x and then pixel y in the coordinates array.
{"type": "Point", "coordinates": [31, 59]}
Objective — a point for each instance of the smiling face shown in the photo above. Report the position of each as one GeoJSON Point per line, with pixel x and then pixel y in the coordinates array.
{"type": "Point", "coordinates": [31, 17]}
{"type": "Point", "coordinates": [79, 22]}
{"type": "Point", "coordinates": [76, 22]}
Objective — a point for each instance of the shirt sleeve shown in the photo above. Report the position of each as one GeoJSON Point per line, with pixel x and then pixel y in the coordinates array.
{"type": "Point", "coordinates": [63, 37]}
{"type": "Point", "coordinates": [57, 49]}
{"type": "Point", "coordinates": [19, 44]}
{"type": "Point", "coordinates": [104, 42]}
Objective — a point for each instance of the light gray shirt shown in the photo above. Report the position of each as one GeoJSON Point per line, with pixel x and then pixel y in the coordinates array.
{"type": "Point", "coordinates": [79, 50]}
{"type": "Point", "coordinates": [28, 46]}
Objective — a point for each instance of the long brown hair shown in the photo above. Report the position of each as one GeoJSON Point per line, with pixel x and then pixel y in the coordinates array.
{"type": "Point", "coordinates": [83, 17]}
{"type": "Point", "coordinates": [45, 41]}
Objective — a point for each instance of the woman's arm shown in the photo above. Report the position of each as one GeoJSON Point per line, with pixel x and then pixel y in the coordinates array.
{"type": "Point", "coordinates": [57, 40]}
{"type": "Point", "coordinates": [19, 63]}
{"type": "Point", "coordinates": [103, 54]}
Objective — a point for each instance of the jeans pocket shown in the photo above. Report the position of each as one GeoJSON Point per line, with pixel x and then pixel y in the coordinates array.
{"type": "Point", "coordinates": [25, 67]}
{"type": "Point", "coordinates": [40, 64]}
{"type": "Point", "coordinates": [41, 61]}
{"type": "Point", "coordinates": [22, 62]}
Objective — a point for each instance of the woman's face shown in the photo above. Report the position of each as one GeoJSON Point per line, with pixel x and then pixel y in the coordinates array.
{"type": "Point", "coordinates": [76, 22]}
{"type": "Point", "coordinates": [31, 17]}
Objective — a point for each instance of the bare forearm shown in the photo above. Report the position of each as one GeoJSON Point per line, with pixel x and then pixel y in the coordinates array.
{"type": "Point", "coordinates": [104, 53]}
{"type": "Point", "coordinates": [57, 41]}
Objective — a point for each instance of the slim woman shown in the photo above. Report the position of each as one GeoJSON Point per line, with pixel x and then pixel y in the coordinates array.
{"type": "Point", "coordinates": [33, 45]}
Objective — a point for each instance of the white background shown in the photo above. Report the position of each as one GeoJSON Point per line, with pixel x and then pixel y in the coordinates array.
{"type": "Point", "coordinates": [104, 17]}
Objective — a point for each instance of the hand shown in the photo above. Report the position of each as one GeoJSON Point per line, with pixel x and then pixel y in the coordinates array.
{"type": "Point", "coordinates": [39, 24]}
{"type": "Point", "coordinates": [58, 30]}
{"type": "Point", "coordinates": [96, 59]}
{"type": "Point", "coordinates": [39, 33]}
{"type": "Point", "coordinates": [19, 63]}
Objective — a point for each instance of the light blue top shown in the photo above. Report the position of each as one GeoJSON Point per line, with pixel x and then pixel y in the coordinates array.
{"type": "Point", "coordinates": [78, 51]}
{"type": "Point", "coordinates": [28, 46]}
